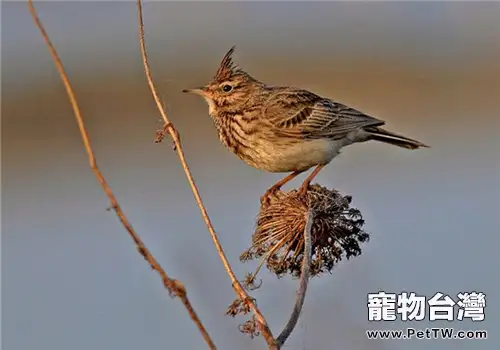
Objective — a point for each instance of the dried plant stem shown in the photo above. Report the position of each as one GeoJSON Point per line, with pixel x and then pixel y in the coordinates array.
{"type": "Point", "coordinates": [304, 281]}
{"type": "Point", "coordinates": [238, 288]}
{"type": "Point", "coordinates": [174, 287]}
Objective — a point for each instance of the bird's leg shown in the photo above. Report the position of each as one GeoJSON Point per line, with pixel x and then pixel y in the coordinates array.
{"type": "Point", "coordinates": [277, 186]}
{"type": "Point", "coordinates": [305, 185]}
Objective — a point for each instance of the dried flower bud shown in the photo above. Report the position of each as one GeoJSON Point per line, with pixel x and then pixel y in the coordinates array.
{"type": "Point", "coordinates": [279, 236]}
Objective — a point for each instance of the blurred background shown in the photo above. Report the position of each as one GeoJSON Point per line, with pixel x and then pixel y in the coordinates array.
{"type": "Point", "coordinates": [71, 277]}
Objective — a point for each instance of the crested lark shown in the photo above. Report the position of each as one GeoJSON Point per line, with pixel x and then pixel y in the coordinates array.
{"type": "Point", "coordinates": [285, 129]}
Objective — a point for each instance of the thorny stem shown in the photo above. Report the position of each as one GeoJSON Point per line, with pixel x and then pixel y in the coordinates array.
{"type": "Point", "coordinates": [304, 281]}
{"type": "Point", "coordinates": [174, 287]}
{"type": "Point", "coordinates": [238, 288]}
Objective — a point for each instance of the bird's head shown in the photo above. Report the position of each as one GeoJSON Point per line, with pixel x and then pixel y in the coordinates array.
{"type": "Point", "coordinates": [230, 89]}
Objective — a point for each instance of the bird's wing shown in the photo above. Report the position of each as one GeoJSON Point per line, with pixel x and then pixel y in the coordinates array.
{"type": "Point", "coordinates": [301, 113]}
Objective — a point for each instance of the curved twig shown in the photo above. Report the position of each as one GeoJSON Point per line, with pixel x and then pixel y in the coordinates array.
{"type": "Point", "coordinates": [304, 281]}
{"type": "Point", "coordinates": [238, 288]}
{"type": "Point", "coordinates": [174, 286]}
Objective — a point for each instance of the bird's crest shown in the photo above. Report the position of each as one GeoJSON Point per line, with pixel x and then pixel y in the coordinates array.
{"type": "Point", "coordinates": [226, 67]}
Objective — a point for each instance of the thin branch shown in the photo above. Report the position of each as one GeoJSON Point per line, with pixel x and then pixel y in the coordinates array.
{"type": "Point", "coordinates": [240, 291]}
{"type": "Point", "coordinates": [174, 287]}
{"type": "Point", "coordinates": [304, 281]}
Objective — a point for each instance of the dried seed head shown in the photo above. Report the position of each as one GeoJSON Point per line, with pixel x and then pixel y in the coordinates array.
{"type": "Point", "coordinates": [250, 328]}
{"type": "Point", "coordinates": [279, 236]}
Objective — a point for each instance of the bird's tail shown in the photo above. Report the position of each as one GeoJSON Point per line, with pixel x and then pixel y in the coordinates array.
{"type": "Point", "coordinates": [382, 135]}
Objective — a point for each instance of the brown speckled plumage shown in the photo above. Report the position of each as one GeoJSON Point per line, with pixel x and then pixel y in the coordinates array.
{"type": "Point", "coordinates": [285, 129]}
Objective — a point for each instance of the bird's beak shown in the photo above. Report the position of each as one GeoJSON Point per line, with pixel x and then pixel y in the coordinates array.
{"type": "Point", "coordinates": [197, 91]}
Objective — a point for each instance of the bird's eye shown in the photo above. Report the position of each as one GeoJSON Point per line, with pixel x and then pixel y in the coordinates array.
{"type": "Point", "coordinates": [227, 88]}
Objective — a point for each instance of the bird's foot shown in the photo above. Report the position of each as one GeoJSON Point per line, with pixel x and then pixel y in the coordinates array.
{"type": "Point", "coordinates": [302, 192]}
{"type": "Point", "coordinates": [271, 192]}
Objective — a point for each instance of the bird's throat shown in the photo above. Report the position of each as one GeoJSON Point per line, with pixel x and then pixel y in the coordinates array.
{"type": "Point", "coordinates": [211, 105]}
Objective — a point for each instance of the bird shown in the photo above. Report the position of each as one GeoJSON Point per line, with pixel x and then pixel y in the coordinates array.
{"type": "Point", "coordinates": [284, 129]}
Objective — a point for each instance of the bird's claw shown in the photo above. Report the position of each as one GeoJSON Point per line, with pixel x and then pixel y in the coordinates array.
{"type": "Point", "coordinates": [266, 197]}
{"type": "Point", "coordinates": [302, 192]}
